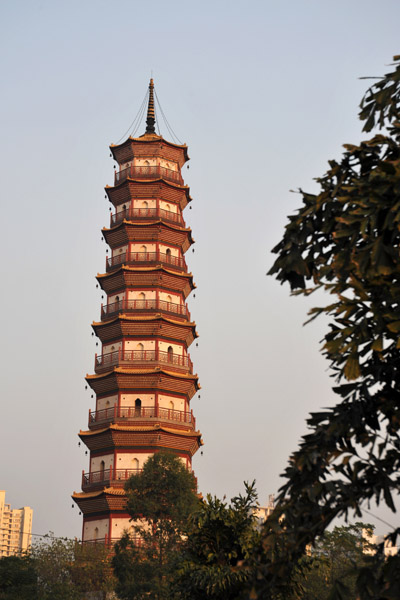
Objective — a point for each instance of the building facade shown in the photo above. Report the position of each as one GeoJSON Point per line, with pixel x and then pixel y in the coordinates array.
{"type": "Point", "coordinates": [143, 377]}
{"type": "Point", "coordinates": [15, 528]}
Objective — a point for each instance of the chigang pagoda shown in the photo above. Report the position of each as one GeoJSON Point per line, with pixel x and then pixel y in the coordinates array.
{"type": "Point", "coordinates": [143, 378]}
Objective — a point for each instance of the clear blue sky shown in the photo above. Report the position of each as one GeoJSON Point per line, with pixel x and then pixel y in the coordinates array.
{"type": "Point", "coordinates": [264, 93]}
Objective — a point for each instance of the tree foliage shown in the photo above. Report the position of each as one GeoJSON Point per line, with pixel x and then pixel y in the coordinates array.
{"type": "Point", "coordinates": [18, 579]}
{"type": "Point", "coordinates": [221, 538]}
{"type": "Point", "coordinates": [334, 563]}
{"type": "Point", "coordinates": [68, 570]}
{"type": "Point", "coordinates": [160, 499]}
{"type": "Point", "coordinates": [346, 240]}
{"type": "Point", "coordinates": [57, 569]}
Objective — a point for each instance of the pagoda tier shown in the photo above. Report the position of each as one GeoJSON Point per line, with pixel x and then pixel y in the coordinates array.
{"type": "Point", "coordinates": [156, 276]}
{"type": "Point", "coordinates": [147, 327]}
{"type": "Point", "coordinates": [122, 439]}
{"type": "Point", "coordinates": [101, 501]}
{"type": "Point", "coordinates": [142, 189]}
{"type": "Point", "coordinates": [150, 145]}
{"type": "Point", "coordinates": [158, 380]}
{"type": "Point", "coordinates": [161, 190]}
{"type": "Point", "coordinates": [143, 377]}
{"type": "Point", "coordinates": [129, 231]}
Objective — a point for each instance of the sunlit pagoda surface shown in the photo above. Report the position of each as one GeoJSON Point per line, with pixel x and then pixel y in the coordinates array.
{"type": "Point", "coordinates": [143, 379]}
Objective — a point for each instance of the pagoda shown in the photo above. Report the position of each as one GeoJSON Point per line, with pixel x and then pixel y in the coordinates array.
{"type": "Point", "coordinates": [143, 379]}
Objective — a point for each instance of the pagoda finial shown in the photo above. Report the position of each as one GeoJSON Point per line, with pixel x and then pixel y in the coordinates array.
{"type": "Point", "coordinates": [151, 119]}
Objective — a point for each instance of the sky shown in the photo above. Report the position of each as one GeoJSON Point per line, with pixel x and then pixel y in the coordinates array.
{"type": "Point", "coordinates": [264, 93]}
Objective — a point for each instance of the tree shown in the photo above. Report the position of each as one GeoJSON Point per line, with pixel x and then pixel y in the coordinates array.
{"type": "Point", "coordinates": [91, 570]}
{"type": "Point", "coordinates": [334, 563]}
{"type": "Point", "coordinates": [18, 580]}
{"type": "Point", "coordinates": [220, 538]}
{"type": "Point", "coordinates": [53, 559]}
{"type": "Point", "coordinates": [68, 570]}
{"type": "Point", "coordinates": [159, 500]}
{"type": "Point", "coordinates": [346, 240]}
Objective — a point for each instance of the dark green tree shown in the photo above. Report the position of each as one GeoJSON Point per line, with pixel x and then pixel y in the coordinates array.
{"type": "Point", "coordinates": [53, 559]}
{"type": "Point", "coordinates": [91, 570]}
{"type": "Point", "coordinates": [346, 240]}
{"type": "Point", "coordinates": [160, 499]}
{"type": "Point", "coordinates": [334, 563]}
{"type": "Point", "coordinates": [18, 579]}
{"type": "Point", "coordinates": [69, 570]}
{"type": "Point", "coordinates": [221, 538]}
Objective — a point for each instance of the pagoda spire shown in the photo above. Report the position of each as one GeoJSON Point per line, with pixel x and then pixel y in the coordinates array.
{"type": "Point", "coordinates": [151, 119]}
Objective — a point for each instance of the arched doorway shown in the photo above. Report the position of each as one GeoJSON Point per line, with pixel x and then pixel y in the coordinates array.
{"type": "Point", "coordinates": [170, 352]}
{"type": "Point", "coordinates": [141, 300]}
{"type": "Point", "coordinates": [138, 407]}
{"type": "Point", "coordinates": [144, 209]}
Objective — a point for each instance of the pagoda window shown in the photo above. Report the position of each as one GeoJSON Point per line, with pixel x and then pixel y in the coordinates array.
{"type": "Point", "coordinates": [167, 207]}
{"type": "Point", "coordinates": [102, 468]}
{"type": "Point", "coordinates": [171, 405]}
{"type": "Point", "coordinates": [170, 353]}
{"type": "Point", "coordinates": [139, 350]}
{"type": "Point", "coordinates": [143, 252]}
{"type": "Point", "coordinates": [96, 533]}
{"type": "Point", "coordinates": [135, 464]}
{"type": "Point", "coordinates": [168, 253]}
{"type": "Point", "coordinates": [138, 407]}
{"type": "Point", "coordinates": [145, 204]}
{"type": "Point", "coordinates": [169, 299]}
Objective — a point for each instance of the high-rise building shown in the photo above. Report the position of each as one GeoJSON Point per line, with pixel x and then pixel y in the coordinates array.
{"type": "Point", "coordinates": [143, 380]}
{"type": "Point", "coordinates": [15, 528]}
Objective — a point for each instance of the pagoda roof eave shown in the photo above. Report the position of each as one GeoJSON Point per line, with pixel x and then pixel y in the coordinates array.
{"type": "Point", "coordinates": [122, 370]}
{"type": "Point", "coordinates": [147, 270]}
{"type": "Point", "coordinates": [147, 224]}
{"type": "Point", "coordinates": [148, 139]}
{"type": "Point", "coordinates": [131, 428]}
{"type": "Point", "coordinates": [153, 180]}
{"type": "Point", "coordinates": [110, 491]}
{"type": "Point", "coordinates": [157, 316]}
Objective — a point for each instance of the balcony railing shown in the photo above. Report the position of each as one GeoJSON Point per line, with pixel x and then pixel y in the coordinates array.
{"type": "Point", "coordinates": [145, 358]}
{"type": "Point", "coordinates": [114, 308]}
{"type": "Point", "coordinates": [134, 214]}
{"type": "Point", "coordinates": [107, 477]}
{"type": "Point", "coordinates": [144, 258]}
{"type": "Point", "coordinates": [148, 172]}
{"type": "Point", "coordinates": [110, 541]}
{"type": "Point", "coordinates": [133, 413]}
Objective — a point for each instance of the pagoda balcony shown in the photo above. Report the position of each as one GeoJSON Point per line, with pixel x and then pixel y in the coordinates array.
{"type": "Point", "coordinates": [138, 214]}
{"type": "Point", "coordinates": [114, 308]}
{"type": "Point", "coordinates": [134, 414]}
{"type": "Point", "coordinates": [106, 477]}
{"type": "Point", "coordinates": [108, 541]}
{"type": "Point", "coordinates": [144, 258]}
{"type": "Point", "coordinates": [142, 358]}
{"type": "Point", "coordinates": [147, 172]}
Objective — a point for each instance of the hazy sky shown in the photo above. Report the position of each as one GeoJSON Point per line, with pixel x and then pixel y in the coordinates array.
{"type": "Point", "coordinates": [263, 93]}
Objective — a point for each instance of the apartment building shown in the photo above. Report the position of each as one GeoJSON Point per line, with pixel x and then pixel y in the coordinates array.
{"type": "Point", "coordinates": [15, 528]}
